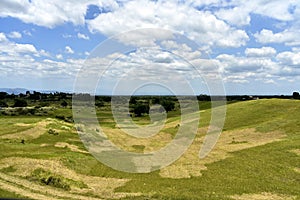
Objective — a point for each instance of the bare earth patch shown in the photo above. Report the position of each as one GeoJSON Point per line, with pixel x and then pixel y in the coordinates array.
{"type": "Point", "coordinates": [102, 187]}
{"type": "Point", "coordinates": [189, 164]}
{"type": "Point", "coordinates": [263, 196]}
{"type": "Point", "coordinates": [72, 147]}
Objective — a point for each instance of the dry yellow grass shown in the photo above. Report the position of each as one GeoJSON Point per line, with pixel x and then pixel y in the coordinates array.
{"type": "Point", "coordinates": [35, 132]}
{"type": "Point", "coordinates": [125, 141]}
{"type": "Point", "coordinates": [72, 147]}
{"type": "Point", "coordinates": [189, 163]}
{"type": "Point", "coordinates": [23, 124]}
{"type": "Point", "coordinates": [263, 196]}
{"type": "Point", "coordinates": [103, 187]}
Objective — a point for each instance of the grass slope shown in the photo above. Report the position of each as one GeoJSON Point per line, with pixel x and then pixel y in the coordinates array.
{"type": "Point", "coordinates": [269, 171]}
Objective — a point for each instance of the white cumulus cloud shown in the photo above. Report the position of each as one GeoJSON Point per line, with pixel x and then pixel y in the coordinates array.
{"type": "Point", "coordinates": [201, 26]}
{"type": "Point", "coordinates": [15, 34]}
{"type": "Point", "coordinates": [288, 37]}
{"type": "Point", "coordinates": [260, 52]}
{"type": "Point", "coordinates": [82, 36]}
{"type": "Point", "coordinates": [69, 50]}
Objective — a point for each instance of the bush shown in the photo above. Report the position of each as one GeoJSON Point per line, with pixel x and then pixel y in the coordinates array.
{"type": "Point", "coordinates": [54, 180]}
{"type": "Point", "coordinates": [64, 103]}
{"type": "Point", "coordinates": [60, 117]}
{"type": "Point", "coordinates": [3, 104]}
{"type": "Point", "coordinates": [296, 95]}
{"type": "Point", "coordinates": [52, 132]}
{"type": "Point", "coordinates": [20, 103]}
{"type": "Point", "coordinates": [140, 109]}
{"type": "Point", "coordinates": [168, 105]}
{"type": "Point", "coordinates": [50, 179]}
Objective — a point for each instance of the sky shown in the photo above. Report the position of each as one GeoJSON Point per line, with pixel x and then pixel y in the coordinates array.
{"type": "Point", "coordinates": [112, 47]}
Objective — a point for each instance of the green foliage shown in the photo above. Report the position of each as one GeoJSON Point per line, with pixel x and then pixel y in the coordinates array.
{"type": "Point", "coordinates": [20, 103]}
{"type": "Point", "coordinates": [47, 178]}
{"type": "Point", "coordinates": [3, 104]}
{"type": "Point", "coordinates": [140, 109]}
{"type": "Point", "coordinates": [138, 148]}
{"type": "Point", "coordinates": [168, 105]}
{"type": "Point", "coordinates": [65, 118]}
{"type": "Point", "coordinates": [9, 169]}
{"type": "Point", "coordinates": [9, 195]}
{"type": "Point", "coordinates": [64, 103]}
{"type": "Point", "coordinates": [296, 95]}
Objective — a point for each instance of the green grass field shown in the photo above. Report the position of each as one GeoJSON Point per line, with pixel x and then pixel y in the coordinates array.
{"type": "Point", "coordinates": [257, 157]}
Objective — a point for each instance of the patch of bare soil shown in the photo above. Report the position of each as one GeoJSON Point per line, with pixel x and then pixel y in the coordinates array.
{"type": "Point", "coordinates": [263, 196]}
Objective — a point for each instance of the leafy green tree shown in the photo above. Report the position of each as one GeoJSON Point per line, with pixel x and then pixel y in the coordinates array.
{"type": "Point", "coordinates": [140, 109]}
{"type": "Point", "coordinates": [133, 100]}
{"type": "Point", "coordinates": [20, 103]}
{"type": "Point", "coordinates": [64, 103]}
{"type": "Point", "coordinates": [3, 104]}
{"type": "Point", "coordinates": [296, 95]}
{"type": "Point", "coordinates": [168, 105]}
{"type": "Point", "coordinates": [3, 95]}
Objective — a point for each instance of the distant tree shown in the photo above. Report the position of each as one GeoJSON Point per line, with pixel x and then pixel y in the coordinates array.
{"type": "Point", "coordinates": [132, 100]}
{"type": "Point", "coordinates": [21, 95]}
{"type": "Point", "coordinates": [99, 104]}
{"type": "Point", "coordinates": [20, 103]}
{"type": "Point", "coordinates": [168, 105]}
{"type": "Point", "coordinates": [155, 100]}
{"type": "Point", "coordinates": [64, 103]}
{"type": "Point", "coordinates": [35, 95]}
{"type": "Point", "coordinates": [3, 95]}
{"type": "Point", "coordinates": [62, 95]}
{"type": "Point", "coordinates": [296, 95]}
{"type": "Point", "coordinates": [3, 104]}
{"type": "Point", "coordinates": [140, 109]}
{"type": "Point", "coordinates": [203, 97]}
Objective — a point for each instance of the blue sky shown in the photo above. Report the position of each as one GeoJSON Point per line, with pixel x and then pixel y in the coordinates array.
{"type": "Point", "coordinates": [252, 47]}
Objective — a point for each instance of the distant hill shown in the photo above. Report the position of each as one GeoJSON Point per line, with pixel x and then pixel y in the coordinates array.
{"type": "Point", "coordinates": [14, 90]}
{"type": "Point", "coordinates": [23, 90]}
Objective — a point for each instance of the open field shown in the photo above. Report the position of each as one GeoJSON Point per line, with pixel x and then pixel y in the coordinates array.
{"type": "Point", "coordinates": [257, 157]}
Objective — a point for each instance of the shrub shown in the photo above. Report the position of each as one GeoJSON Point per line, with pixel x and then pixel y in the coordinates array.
{"type": "Point", "coordinates": [52, 132]}
{"type": "Point", "coordinates": [20, 103]}
{"type": "Point", "coordinates": [3, 104]}
{"type": "Point", "coordinates": [50, 179]}
{"type": "Point", "coordinates": [64, 103]}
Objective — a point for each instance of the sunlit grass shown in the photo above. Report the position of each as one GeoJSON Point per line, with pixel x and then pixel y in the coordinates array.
{"type": "Point", "coordinates": [270, 168]}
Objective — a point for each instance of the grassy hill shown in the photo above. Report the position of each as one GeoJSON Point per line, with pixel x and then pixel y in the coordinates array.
{"type": "Point", "coordinates": [257, 157]}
